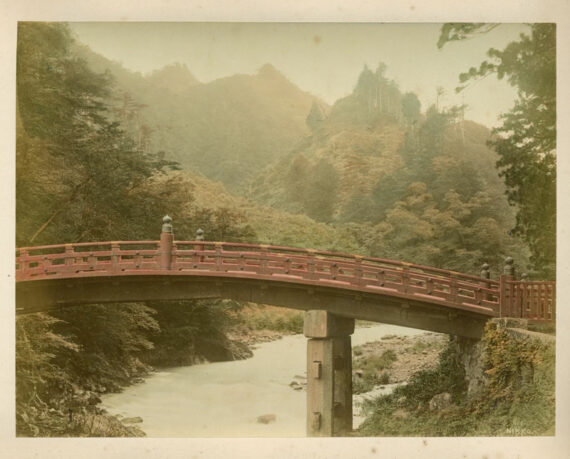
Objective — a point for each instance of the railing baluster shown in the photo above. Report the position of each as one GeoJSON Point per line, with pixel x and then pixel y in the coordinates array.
{"type": "Point", "coordinates": [381, 278]}
{"type": "Point", "coordinates": [115, 256]}
{"type": "Point", "coordinates": [311, 266]}
{"type": "Point", "coordinates": [263, 261]}
{"type": "Point", "coordinates": [358, 272]}
{"type": "Point", "coordinates": [218, 255]}
{"type": "Point", "coordinates": [24, 264]}
{"type": "Point", "coordinates": [453, 288]}
{"type": "Point", "coordinates": [405, 279]}
{"type": "Point", "coordinates": [69, 258]}
{"type": "Point", "coordinates": [333, 270]}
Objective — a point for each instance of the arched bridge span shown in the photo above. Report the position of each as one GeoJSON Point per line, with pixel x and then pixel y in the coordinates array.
{"type": "Point", "coordinates": [349, 286]}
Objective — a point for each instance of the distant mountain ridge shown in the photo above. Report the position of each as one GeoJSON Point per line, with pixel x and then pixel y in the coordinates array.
{"type": "Point", "coordinates": [174, 77]}
{"type": "Point", "coordinates": [366, 149]}
{"type": "Point", "coordinates": [228, 129]}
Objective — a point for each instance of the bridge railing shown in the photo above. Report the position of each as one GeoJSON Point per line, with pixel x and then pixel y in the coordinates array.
{"type": "Point", "coordinates": [69, 260]}
{"type": "Point", "coordinates": [529, 300]}
{"type": "Point", "coordinates": [339, 268]}
{"type": "Point", "coordinates": [322, 268]}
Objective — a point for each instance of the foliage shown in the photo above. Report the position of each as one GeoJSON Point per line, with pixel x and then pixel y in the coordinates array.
{"type": "Point", "coordinates": [316, 116]}
{"type": "Point", "coordinates": [191, 331]}
{"type": "Point", "coordinates": [518, 399]}
{"type": "Point", "coordinates": [526, 141]}
{"type": "Point", "coordinates": [313, 186]}
{"type": "Point", "coordinates": [290, 322]}
{"type": "Point", "coordinates": [511, 366]}
{"type": "Point", "coordinates": [222, 224]}
{"type": "Point", "coordinates": [423, 189]}
{"type": "Point", "coordinates": [112, 339]}
{"type": "Point", "coordinates": [411, 107]}
{"type": "Point", "coordinates": [449, 376]}
{"type": "Point", "coordinates": [455, 31]}
{"type": "Point", "coordinates": [38, 377]}
{"type": "Point", "coordinates": [371, 370]}
{"type": "Point", "coordinates": [228, 129]}
{"type": "Point", "coordinates": [77, 174]}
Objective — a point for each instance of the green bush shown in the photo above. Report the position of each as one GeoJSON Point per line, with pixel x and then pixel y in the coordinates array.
{"type": "Point", "coordinates": [291, 323]}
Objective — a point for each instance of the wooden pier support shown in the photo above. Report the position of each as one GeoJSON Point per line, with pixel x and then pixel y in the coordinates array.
{"type": "Point", "coordinates": [329, 374]}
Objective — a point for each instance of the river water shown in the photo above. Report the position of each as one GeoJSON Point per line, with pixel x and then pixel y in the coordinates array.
{"type": "Point", "coordinates": [224, 399]}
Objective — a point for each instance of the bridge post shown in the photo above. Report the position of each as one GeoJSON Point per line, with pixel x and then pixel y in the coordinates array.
{"type": "Point", "coordinates": [166, 240]}
{"type": "Point", "coordinates": [329, 374]}
{"type": "Point", "coordinates": [485, 274]}
{"type": "Point", "coordinates": [506, 288]}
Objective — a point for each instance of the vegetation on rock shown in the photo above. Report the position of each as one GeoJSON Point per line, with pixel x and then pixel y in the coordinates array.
{"type": "Point", "coordinates": [517, 401]}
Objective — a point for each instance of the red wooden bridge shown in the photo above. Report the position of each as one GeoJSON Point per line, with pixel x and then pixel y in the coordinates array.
{"type": "Point", "coordinates": [335, 288]}
{"type": "Point", "coordinates": [300, 268]}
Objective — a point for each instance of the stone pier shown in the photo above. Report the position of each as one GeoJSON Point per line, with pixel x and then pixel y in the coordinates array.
{"type": "Point", "coordinates": [329, 374]}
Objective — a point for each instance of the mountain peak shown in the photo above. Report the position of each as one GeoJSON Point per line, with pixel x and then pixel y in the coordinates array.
{"type": "Point", "coordinates": [175, 77]}
{"type": "Point", "coordinates": [269, 71]}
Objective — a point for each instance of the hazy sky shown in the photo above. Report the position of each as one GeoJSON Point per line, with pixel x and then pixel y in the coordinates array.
{"type": "Point", "coordinates": [323, 59]}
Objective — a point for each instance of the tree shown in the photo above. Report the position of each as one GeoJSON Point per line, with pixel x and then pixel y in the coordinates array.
{"type": "Point", "coordinates": [316, 116]}
{"type": "Point", "coordinates": [322, 191]}
{"type": "Point", "coordinates": [526, 141]}
{"type": "Point", "coordinates": [411, 107]}
{"type": "Point", "coordinates": [76, 169]}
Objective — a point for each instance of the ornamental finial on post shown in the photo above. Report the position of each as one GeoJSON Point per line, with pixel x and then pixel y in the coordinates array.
{"type": "Point", "coordinates": [166, 224]}
{"type": "Point", "coordinates": [485, 273]}
{"type": "Point", "coordinates": [199, 234]}
{"type": "Point", "coordinates": [165, 245]}
{"type": "Point", "coordinates": [509, 269]}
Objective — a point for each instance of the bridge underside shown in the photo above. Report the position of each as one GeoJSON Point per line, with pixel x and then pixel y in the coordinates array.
{"type": "Point", "coordinates": [40, 295]}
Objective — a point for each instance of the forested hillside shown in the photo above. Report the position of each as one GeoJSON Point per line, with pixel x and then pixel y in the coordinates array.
{"type": "Point", "coordinates": [414, 185]}
{"type": "Point", "coordinates": [227, 129]}
{"type": "Point", "coordinates": [358, 164]}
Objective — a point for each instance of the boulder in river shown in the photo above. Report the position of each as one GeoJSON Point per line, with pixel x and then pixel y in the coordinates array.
{"type": "Point", "coordinates": [266, 418]}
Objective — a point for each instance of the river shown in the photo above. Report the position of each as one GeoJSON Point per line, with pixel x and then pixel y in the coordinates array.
{"type": "Point", "coordinates": [224, 399]}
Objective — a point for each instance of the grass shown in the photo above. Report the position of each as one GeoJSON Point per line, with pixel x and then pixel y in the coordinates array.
{"type": "Point", "coordinates": [371, 370]}
{"type": "Point", "coordinates": [420, 346]}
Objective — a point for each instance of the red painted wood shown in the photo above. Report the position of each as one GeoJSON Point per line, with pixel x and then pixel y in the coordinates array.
{"type": "Point", "coordinates": [310, 267]}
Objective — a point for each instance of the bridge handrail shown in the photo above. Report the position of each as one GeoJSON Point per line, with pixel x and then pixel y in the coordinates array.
{"type": "Point", "coordinates": [327, 253]}
{"type": "Point", "coordinates": [269, 248]}
{"type": "Point", "coordinates": [289, 264]}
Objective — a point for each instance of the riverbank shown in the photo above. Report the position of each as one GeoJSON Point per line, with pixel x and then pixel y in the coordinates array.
{"type": "Point", "coordinates": [517, 398]}
{"type": "Point", "coordinates": [68, 360]}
